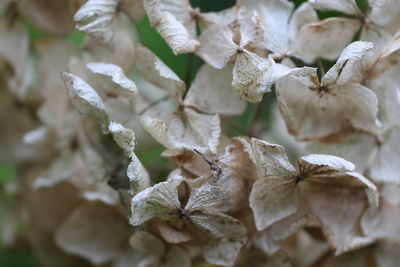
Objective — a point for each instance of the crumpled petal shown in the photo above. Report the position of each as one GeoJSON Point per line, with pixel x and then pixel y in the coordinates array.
{"type": "Point", "coordinates": [348, 7]}
{"type": "Point", "coordinates": [228, 236]}
{"type": "Point", "coordinates": [275, 16]}
{"type": "Point", "coordinates": [126, 86]}
{"type": "Point", "coordinates": [95, 18]}
{"type": "Point", "coordinates": [153, 70]}
{"type": "Point", "coordinates": [341, 72]}
{"type": "Point", "coordinates": [170, 28]}
{"type": "Point", "coordinates": [251, 78]}
{"type": "Point", "coordinates": [157, 200]}
{"type": "Point", "coordinates": [84, 97]}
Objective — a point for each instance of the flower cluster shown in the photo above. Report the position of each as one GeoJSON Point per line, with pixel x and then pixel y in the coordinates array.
{"type": "Point", "coordinates": [85, 196]}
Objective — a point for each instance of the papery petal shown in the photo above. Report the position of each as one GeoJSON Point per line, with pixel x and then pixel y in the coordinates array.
{"type": "Point", "coordinates": [95, 231]}
{"type": "Point", "coordinates": [95, 18]}
{"type": "Point", "coordinates": [170, 28]}
{"type": "Point", "coordinates": [228, 236]}
{"type": "Point", "coordinates": [325, 39]}
{"type": "Point", "coordinates": [84, 97]}
{"type": "Point", "coordinates": [273, 199]}
{"type": "Point", "coordinates": [341, 72]}
{"type": "Point", "coordinates": [156, 72]}
{"type": "Point", "coordinates": [211, 92]}
{"type": "Point", "coordinates": [348, 7]}
{"type": "Point", "coordinates": [217, 46]}
{"type": "Point", "coordinates": [157, 200]}
{"type": "Point", "coordinates": [147, 243]}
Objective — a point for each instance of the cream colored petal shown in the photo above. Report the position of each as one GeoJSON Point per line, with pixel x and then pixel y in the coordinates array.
{"type": "Point", "coordinates": [171, 234]}
{"type": "Point", "coordinates": [270, 240]}
{"type": "Point", "coordinates": [147, 243]}
{"type": "Point", "coordinates": [348, 7]}
{"type": "Point", "coordinates": [217, 192]}
{"type": "Point", "coordinates": [304, 14]}
{"type": "Point", "coordinates": [273, 199]}
{"type": "Point", "coordinates": [381, 222]}
{"type": "Point", "coordinates": [342, 71]}
{"type": "Point", "coordinates": [384, 167]}
{"type": "Point", "coordinates": [157, 200]}
{"type": "Point", "coordinates": [271, 160]}
{"type": "Point", "coordinates": [155, 71]}
{"type": "Point", "coordinates": [62, 169]}
{"type": "Point", "coordinates": [252, 76]}
{"type": "Point", "coordinates": [170, 28]}
{"type": "Point", "coordinates": [192, 130]}
{"type": "Point", "coordinates": [217, 46]}
{"type": "Point", "coordinates": [84, 97]}
{"type": "Point", "coordinates": [275, 16]}
{"type": "Point", "coordinates": [325, 39]}
{"type": "Point", "coordinates": [355, 147]}
{"type": "Point", "coordinates": [228, 236]}
{"type": "Point", "coordinates": [126, 87]}
{"type": "Point", "coordinates": [211, 92]}
{"type": "Point", "coordinates": [310, 114]}
{"type": "Point", "coordinates": [138, 175]}
{"type": "Point", "coordinates": [95, 231]}
{"type": "Point", "coordinates": [332, 170]}
{"type": "Point", "coordinates": [95, 18]}
{"type": "Point", "coordinates": [339, 210]}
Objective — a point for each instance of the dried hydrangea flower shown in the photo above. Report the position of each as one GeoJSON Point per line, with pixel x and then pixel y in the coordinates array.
{"type": "Point", "coordinates": [317, 109]}
{"type": "Point", "coordinates": [281, 190]}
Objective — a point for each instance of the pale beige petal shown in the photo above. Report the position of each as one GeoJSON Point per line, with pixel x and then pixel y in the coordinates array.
{"type": "Point", "coordinates": [95, 231]}
{"type": "Point", "coordinates": [270, 240]}
{"type": "Point", "coordinates": [155, 71]}
{"type": "Point", "coordinates": [171, 234]}
{"type": "Point", "coordinates": [325, 39]}
{"type": "Point", "coordinates": [355, 147]}
{"type": "Point", "coordinates": [157, 200]}
{"type": "Point", "coordinates": [275, 15]}
{"type": "Point", "coordinates": [339, 211]}
{"type": "Point", "coordinates": [381, 222]}
{"type": "Point", "coordinates": [310, 114]}
{"type": "Point", "coordinates": [217, 46]}
{"type": "Point", "coordinates": [126, 86]}
{"type": "Point", "coordinates": [147, 243]}
{"type": "Point", "coordinates": [271, 160]}
{"type": "Point", "coordinates": [228, 236]}
{"type": "Point", "coordinates": [95, 18]}
{"type": "Point", "coordinates": [196, 130]}
{"type": "Point", "coordinates": [273, 199]}
{"type": "Point", "coordinates": [385, 168]}
{"type": "Point", "coordinates": [84, 97]}
{"type": "Point", "coordinates": [252, 76]}
{"type": "Point", "coordinates": [348, 7]}
{"type": "Point", "coordinates": [211, 92]}
{"type": "Point", "coordinates": [342, 71]}
{"type": "Point", "coordinates": [138, 175]}
{"type": "Point", "coordinates": [170, 28]}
